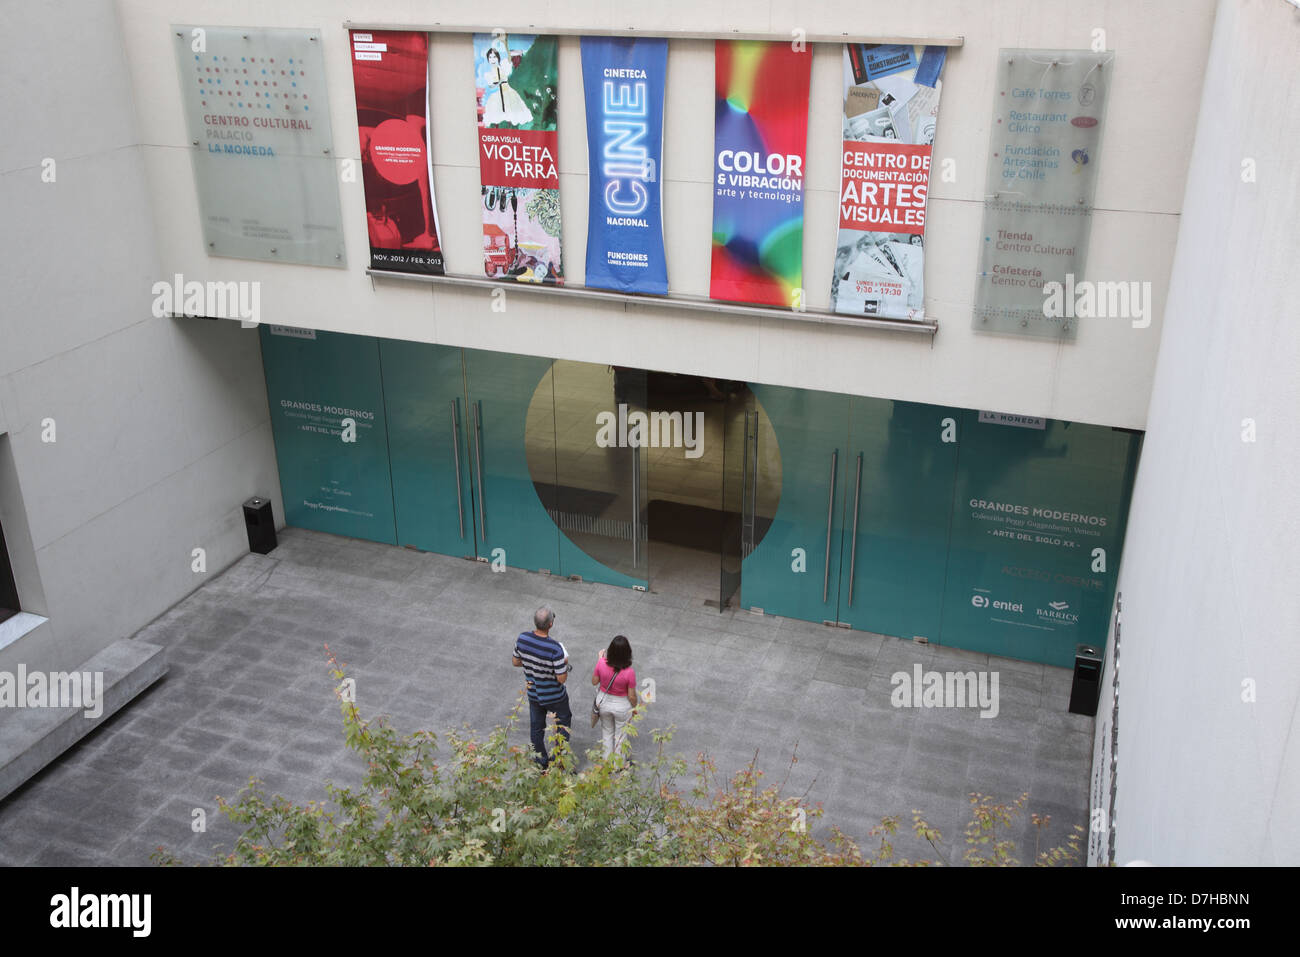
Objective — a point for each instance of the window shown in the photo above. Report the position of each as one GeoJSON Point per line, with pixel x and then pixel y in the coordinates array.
{"type": "Point", "coordinates": [8, 590]}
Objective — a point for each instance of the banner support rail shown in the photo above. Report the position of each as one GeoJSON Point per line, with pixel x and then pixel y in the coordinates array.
{"type": "Point", "coordinates": [657, 33]}
{"type": "Point", "coordinates": [696, 303]}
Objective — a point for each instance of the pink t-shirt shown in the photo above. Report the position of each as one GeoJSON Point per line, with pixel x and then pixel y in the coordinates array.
{"type": "Point", "coordinates": [626, 679]}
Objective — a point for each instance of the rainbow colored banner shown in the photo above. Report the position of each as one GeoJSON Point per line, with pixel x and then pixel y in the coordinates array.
{"type": "Point", "coordinates": [760, 134]}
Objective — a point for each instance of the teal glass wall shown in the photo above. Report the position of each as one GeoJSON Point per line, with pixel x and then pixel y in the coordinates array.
{"type": "Point", "coordinates": [312, 385]}
{"type": "Point", "coordinates": [990, 533]}
{"type": "Point", "coordinates": [1038, 523]}
{"type": "Point", "coordinates": [999, 536]}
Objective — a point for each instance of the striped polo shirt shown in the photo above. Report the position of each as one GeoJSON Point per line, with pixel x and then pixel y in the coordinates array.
{"type": "Point", "coordinates": [543, 659]}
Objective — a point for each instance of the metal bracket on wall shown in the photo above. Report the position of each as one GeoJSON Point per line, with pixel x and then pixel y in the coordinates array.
{"type": "Point", "coordinates": [696, 303]}
{"type": "Point", "coordinates": [657, 33]}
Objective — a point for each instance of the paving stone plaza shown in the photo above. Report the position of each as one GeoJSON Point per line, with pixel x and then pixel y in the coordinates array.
{"type": "Point", "coordinates": [428, 640]}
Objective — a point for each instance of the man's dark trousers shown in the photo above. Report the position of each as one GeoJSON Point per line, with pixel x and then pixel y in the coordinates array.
{"type": "Point", "coordinates": [537, 725]}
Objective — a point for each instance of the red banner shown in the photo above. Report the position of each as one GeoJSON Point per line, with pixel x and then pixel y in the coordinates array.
{"type": "Point", "coordinates": [390, 71]}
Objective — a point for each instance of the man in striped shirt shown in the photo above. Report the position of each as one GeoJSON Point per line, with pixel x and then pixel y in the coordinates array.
{"type": "Point", "coordinates": [547, 669]}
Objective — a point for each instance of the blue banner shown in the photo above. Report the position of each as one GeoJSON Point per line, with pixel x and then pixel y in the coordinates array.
{"type": "Point", "coordinates": [623, 80]}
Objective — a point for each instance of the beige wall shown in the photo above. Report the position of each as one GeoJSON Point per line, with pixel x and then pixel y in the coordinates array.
{"type": "Point", "coordinates": [161, 428]}
{"type": "Point", "coordinates": [1103, 377]}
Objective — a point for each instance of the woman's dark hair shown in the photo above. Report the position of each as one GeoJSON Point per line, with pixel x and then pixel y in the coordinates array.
{"type": "Point", "coordinates": [492, 52]}
{"type": "Point", "coordinates": [619, 653]}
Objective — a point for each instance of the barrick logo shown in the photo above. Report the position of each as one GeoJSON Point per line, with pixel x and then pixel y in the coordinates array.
{"type": "Point", "coordinates": [1056, 611]}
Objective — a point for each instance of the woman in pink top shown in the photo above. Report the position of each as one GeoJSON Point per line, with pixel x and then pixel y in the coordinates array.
{"type": "Point", "coordinates": [614, 676]}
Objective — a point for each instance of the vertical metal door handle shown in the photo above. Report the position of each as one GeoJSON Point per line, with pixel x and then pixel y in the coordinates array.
{"type": "Point", "coordinates": [830, 513]}
{"type": "Point", "coordinates": [753, 486]}
{"type": "Point", "coordinates": [744, 492]}
{"type": "Point", "coordinates": [853, 542]}
{"type": "Point", "coordinates": [477, 409]}
{"type": "Point", "coordinates": [636, 506]}
{"type": "Point", "coordinates": [455, 450]}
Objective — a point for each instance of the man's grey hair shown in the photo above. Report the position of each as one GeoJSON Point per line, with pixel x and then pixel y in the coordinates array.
{"type": "Point", "coordinates": [543, 618]}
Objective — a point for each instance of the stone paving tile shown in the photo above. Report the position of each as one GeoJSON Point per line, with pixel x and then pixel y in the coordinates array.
{"type": "Point", "coordinates": [427, 639]}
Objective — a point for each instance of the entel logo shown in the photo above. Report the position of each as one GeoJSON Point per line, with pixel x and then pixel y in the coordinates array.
{"type": "Point", "coordinates": [979, 601]}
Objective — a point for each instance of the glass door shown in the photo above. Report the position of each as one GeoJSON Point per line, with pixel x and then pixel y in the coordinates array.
{"type": "Point", "coordinates": [739, 490]}
{"type": "Point", "coordinates": [424, 398]}
{"type": "Point", "coordinates": [794, 569]}
{"type": "Point", "coordinates": [509, 438]}
{"type": "Point", "coordinates": [602, 433]}
{"type": "Point", "coordinates": [900, 475]}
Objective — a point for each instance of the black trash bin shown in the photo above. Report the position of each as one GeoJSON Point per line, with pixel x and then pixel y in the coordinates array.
{"type": "Point", "coordinates": [1086, 687]}
{"type": "Point", "coordinates": [260, 524]}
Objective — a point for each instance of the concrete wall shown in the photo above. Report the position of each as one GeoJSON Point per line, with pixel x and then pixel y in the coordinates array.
{"type": "Point", "coordinates": [161, 426]}
{"type": "Point", "coordinates": [1104, 377]}
{"type": "Point", "coordinates": [1211, 609]}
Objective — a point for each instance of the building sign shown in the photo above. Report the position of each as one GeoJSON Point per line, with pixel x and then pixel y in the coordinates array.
{"type": "Point", "coordinates": [891, 106]}
{"type": "Point", "coordinates": [1019, 421]}
{"type": "Point", "coordinates": [760, 134]}
{"type": "Point", "coordinates": [516, 81]}
{"type": "Point", "coordinates": [623, 81]}
{"type": "Point", "coordinates": [1039, 187]}
{"type": "Point", "coordinates": [263, 154]}
{"type": "Point", "coordinates": [292, 332]}
{"type": "Point", "coordinates": [390, 72]}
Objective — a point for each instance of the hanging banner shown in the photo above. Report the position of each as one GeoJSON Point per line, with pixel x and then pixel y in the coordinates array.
{"type": "Point", "coordinates": [623, 82]}
{"type": "Point", "coordinates": [516, 82]}
{"type": "Point", "coordinates": [891, 105]}
{"type": "Point", "coordinates": [390, 72]}
{"type": "Point", "coordinates": [760, 133]}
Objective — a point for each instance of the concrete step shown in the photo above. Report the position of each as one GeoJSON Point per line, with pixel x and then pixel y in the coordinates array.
{"type": "Point", "coordinates": [32, 737]}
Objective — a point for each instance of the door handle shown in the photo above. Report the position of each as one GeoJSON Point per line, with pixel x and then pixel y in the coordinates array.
{"type": "Point", "coordinates": [636, 506]}
{"type": "Point", "coordinates": [477, 409]}
{"type": "Point", "coordinates": [455, 451]}
{"type": "Point", "coordinates": [830, 513]}
{"type": "Point", "coordinates": [853, 542]}
{"type": "Point", "coordinates": [744, 492]}
{"type": "Point", "coordinates": [753, 485]}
